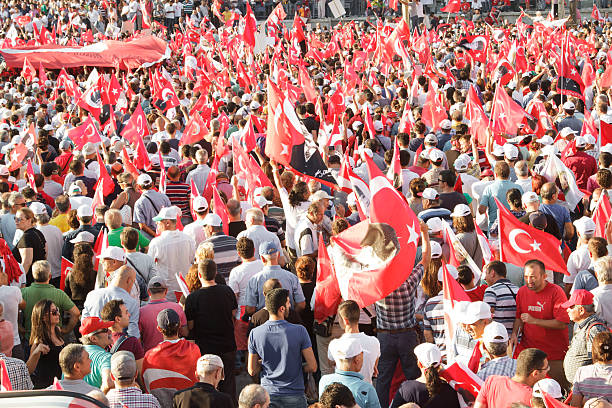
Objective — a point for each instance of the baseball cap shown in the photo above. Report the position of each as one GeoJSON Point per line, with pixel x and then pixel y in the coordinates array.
{"type": "Point", "coordinates": [498, 151]}
{"type": "Point", "coordinates": [446, 124]}
{"type": "Point", "coordinates": [436, 249]}
{"type": "Point", "coordinates": [208, 360]}
{"type": "Point", "coordinates": [144, 180]}
{"type": "Point", "coordinates": [319, 195]}
{"type": "Point", "coordinates": [75, 188]}
{"type": "Point", "coordinates": [168, 318]}
{"type": "Point", "coordinates": [493, 331]}
{"type": "Point", "coordinates": [200, 204]}
{"type": "Point", "coordinates": [436, 155]}
{"type": "Point", "coordinates": [113, 252]}
{"type": "Point", "coordinates": [212, 220]}
{"type": "Point", "coordinates": [461, 163]}
{"type": "Point", "coordinates": [351, 199]}
{"type": "Point", "coordinates": [585, 225]}
{"type": "Point", "coordinates": [530, 197]}
{"type": "Point", "coordinates": [461, 210]}
{"type": "Point", "coordinates": [267, 248]}
{"type": "Point", "coordinates": [452, 271]}
{"type": "Point", "coordinates": [4, 171]}
{"type": "Point", "coordinates": [566, 131]}
{"type": "Point", "coordinates": [255, 105]}
{"type": "Point", "coordinates": [550, 149]}
{"type": "Point", "coordinates": [166, 213]}
{"type": "Point", "coordinates": [65, 144]}
{"type": "Point", "coordinates": [157, 282]}
{"type": "Point", "coordinates": [589, 139]}
{"type": "Point", "coordinates": [431, 138]}
{"type": "Point", "coordinates": [545, 140]}
{"type": "Point", "coordinates": [428, 354]}
{"type": "Point", "coordinates": [378, 125]}
{"type": "Point", "coordinates": [92, 324]}
{"type": "Point", "coordinates": [123, 365]}
{"type": "Point", "coordinates": [430, 194]}
{"type": "Point", "coordinates": [435, 224]}
{"type": "Point", "coordinates": [549, 386]}
{"type": "Point", "coordinates": [83, 236]}
{"type": "Point", "coordinates": [580, 297]}
{"type": "Point", "coordinates": [580, 141]}
{"type": "Point", "coordinates": [262, 201]}
{"type": "Point", "coordinates": [476, 311]}
{"type": "Point", "coordinates": [510, 151]}
{"type": "Point", "coordinates": [346, 347]}
{"type": "Point", "coordinates": [538, 220]}
{"type": "Point", "coordinates": [89, 148]}
{"type": "Point", "coordinates": [569, 105]}
{"type": "Point", "coordinates": [84, 211]}
{"type": "Point", "coordinates": [38, 208]}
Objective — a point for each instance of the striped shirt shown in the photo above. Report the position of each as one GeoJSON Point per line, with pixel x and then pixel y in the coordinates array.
{"type": "Point", "coordinates": [501, 296]}
{"type": "Point", "coordinates": [594, 380]}
{"type": "Point", "coordinates": [178, 193]}
{"type": "Point", "coordinates": [274, 227]}
{"type": "Point", "coordinates": [396, 311]}
{"type": "Point", "coordinates": [505, 366]}
{"type": "Point", "coordinates": [226, 256]}
{"type": "Point", "coordinates": [433, 319]}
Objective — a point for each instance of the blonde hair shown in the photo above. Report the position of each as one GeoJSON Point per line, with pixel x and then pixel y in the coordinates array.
{"type": "Point", "coordinates": [204, 251]}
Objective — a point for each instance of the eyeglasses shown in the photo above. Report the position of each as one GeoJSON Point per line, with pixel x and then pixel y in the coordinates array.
{"type": "Point", "coordinates": [54, 312]}
{"type": "Point", "coordinates": [20, 204]}
{"type": "Point", "coordinates": [547, 368]}
{"type": "Point", "coordinates": [101, 331]}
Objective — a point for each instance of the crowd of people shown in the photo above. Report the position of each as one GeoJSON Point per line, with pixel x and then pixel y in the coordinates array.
{"type": "Point", "coordinates": [234, 230]}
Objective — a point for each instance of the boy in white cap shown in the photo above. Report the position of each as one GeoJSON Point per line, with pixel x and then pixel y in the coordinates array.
{"type": "Point", "coordinates": [548, 386]}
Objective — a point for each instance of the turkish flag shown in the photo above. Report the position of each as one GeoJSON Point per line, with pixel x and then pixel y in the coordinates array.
{"type": "Point", "coordinates": [220, 209]}
{"type": "Point", "coordinates": [128, 165]}
{"type": "Point", "coordinates": [5, 381]}
{"type": "Point", "coordinates": [453, 6]}
{"type": "Point", "coordinates": [114, 90]}
{"type": "Point", "coordinates": [109, 185]}
{"type": "Point", "coordinates": [91, 100]}
{"type": "Point", "coordinates": [434, 111]}
{"type": "Point", "coordinates": [23, 20]}
{"type": "Point", "coordinates": [461, 378]}
{"type": "Point", "coordinates": [327, 292]}
{"type": "Point", "coordinates": [369, 123]}
{"type": "Point", "coordinates": [606, 132]}
{"type": "Point", "coordinates": [601, 215]}
{"type": "Point", "coordinates": [520, 243]}
{"type": "Point", "coordinates": [65, 268]}
{"type": "Point", "coordinates": [195, 130]}
{"type": "Point", "coordinates": [569, 82]}
{"type": "Point", "coordinates": [98, 197]}
{"type": "Point", "coordinates": [537, 109]}
{"type": "Point", "coordinates": [17, 155]}
{"type": "Point", "coordinates": [170, 365]}
{"type": "Point", "coordinates": [370, 272]}
{"type": "Point", "coordinates": [452, 294]}
{"type": "Point", "coordinates": [306, 84]}
{"type": "Point", "coordinates": [248, 138]}
{"type": "Point", "coordinates": [476, 46]}
{"type": "Point", "coordinates": [137, 127]}
{"type": "Point", "coordinates": [250, 27]}
{"type": "Point", "coordinates": [166, 97]}
{"type": "Point", "coordinates": [596, 14]}
{"type": "Point", "coordinates": [503, 73]}
{"type": "Point", "coordinates": [606, 78]}
{"type": "Point", "coordinates": [193, 193]}
{"type": "Point", "coordinates": [507, 114]}
{"type": "Point", "coordinates": [30, 175]}
{"type": "Point", "coordinates": [247, 169]}
{"type": "Point", "coordinates": [28, 72]}
{"type": "Point", "coordinates": [86, 132]}
{"type": "Point", "coordinates": [588, 74]}
{"type": "Point", "coordinates": [479, 122]}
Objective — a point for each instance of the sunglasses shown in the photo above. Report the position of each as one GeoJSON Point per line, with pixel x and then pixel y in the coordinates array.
{"type": "Point", "coordinates": [101, 332]}
{"type": "Point", "coordinates": [54, 312]}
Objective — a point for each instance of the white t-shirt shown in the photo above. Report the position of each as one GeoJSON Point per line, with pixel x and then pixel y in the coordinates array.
{"type": "Point", "coordinates": [371, 353]}
{"type": "Point", "coordinates": [169, 10]}
{"type": "Point", "coordinates": [239, 279]}
{"type": "Point", "coordinates": [11, 297]}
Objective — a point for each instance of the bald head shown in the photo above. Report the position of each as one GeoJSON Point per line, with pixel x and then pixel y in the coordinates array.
{"type": "Point", "coordinates": [124, 278]}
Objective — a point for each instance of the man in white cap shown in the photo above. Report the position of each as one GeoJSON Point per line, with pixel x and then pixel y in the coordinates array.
{"type": "Point", "coordinates": [385, 141]}
{"type": "Point", "coordinates": [431, 206]}
{"type": "Point", "coordinates": [149, 204]}
{"type": "Point", "coordinates": [579, 259]}
{"type": "Point", "coordinates": [569, 120]}
{"type": "Point", "coordinates": [195, 230]}
{"type": "Point", "coordinates": [349, 355]}
{"type": "Point", "coordinates": [548, 386]}
{"type": "Point", "coordinates": [204, 394]}
{"type": "Point", "coordinates": [436, 157]}
{"type": "Point", "coordinates": [497, 361]}
{"type": "Point", "coordinates": [124, 373]}
{"type": "Point", "coordinates": [475, 318]}
{"type": "Point", "coordinates": [173, 251]}
{"type": "Point", "coordinates": [84, 215]}
{"type": "Point", "coordinates": [307, 231]}
{"type": "Point", "coordinates": [462, 166]}
{"type": "Point", "coordinates": [444, 135]}
{"type": "Point", "coordinates": [54, 239]}
{"type": "Point", "coordinates": [567, 135]}
{"type": "Point", "coordinates": [257, 232]}
{"type": "Point", "coordinates": [531, 204]}
{"type": "Point", "coordinates": [582, 164]}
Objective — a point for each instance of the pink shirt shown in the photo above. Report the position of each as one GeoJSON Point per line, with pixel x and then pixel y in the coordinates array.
{"type": "Point", "coordinates": [6, 338]}
{"type": "Point", "coordinates": [147, 323]}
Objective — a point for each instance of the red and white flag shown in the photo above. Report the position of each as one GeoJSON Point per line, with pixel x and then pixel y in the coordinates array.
{"type": "Point", "coordinates": [170, 365]}
{"type": "Point", "coordinates": [506, 114]}
{"type": "Point", "coordinates": [195, 130]}
{"type": "Point", "coordinates": [596, 14]}
{"type": "Point", "coordinates": [182, 284]}
{"type": "Point", "coordinates": [86, 132]}
{"type": "Point", "coordinates": [554, 169]}
{"type": "Point", "coordinates": [488, 253]}
{"type": "Point", "coordinates": [162, 174]}
{"type": "Point", "coordinates": [28, 72]}
{"type": "Point", "coordinates": [601, 215]}
{"type": "Point", "coordinates": [327, 291]}
{"type": "Point", "coordinates": [65, 269]}
{"type": "Point", "coordinates": [461, 378]}
{"type": "Point", "coordinates": [453, 293]}
{"type": "Point", "coordinates": [551, 402]}
{"type": "Point", "coordinates": [5, 381]}
{"type": "Point", "coordinates": [30, 175]}
{"type": "Point", "coordinates": [16, 156]}
{"type": "Point", "coordinates": [220, 209]}
{"type": "Point", "coordinates": [453, 6]}
{"type": "Point", "coordinates": [56, 385]}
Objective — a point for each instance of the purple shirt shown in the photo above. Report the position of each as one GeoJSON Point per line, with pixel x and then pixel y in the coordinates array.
{"type": "Point", "coordinates": [149, 335]}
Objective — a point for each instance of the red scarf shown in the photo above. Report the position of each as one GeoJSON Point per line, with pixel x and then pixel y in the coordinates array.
{"type": "Point", "coordinates": [11, 266]}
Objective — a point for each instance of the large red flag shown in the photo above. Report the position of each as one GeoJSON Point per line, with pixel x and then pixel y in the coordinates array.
{"type": "Point", "coordinates": [601, 215]}
{"type": "Point", "coordinates": [137, 127]}
{"type": "Point", "coordinates": [86, 132]}
{"type": "Point", "coordinates": [434, 111]}
{"type": "Point", "coordinates": [520, 243]}
{"type": "Point", "coordinates": [109, 185]}
{"type": "Point", "coordinates": [28, 72]}
{"type": "Point", "coordinates": [30, 175]}
{"type": "Point", "coordinates": [195, 130]}
{"type": "Point", "coordinates": [65, 268]}
{"type": "Point", "coordinates": [250, 27]}
{"type": "Point", "coordinates": [306, 84]}
{"type": "Point", "coordinates": [453, 6]}
{"type": "Point", "coordinates": [452, 294]}
{"type": "Point", "coordinates": [170, 365]}
{"type": "Point", "coordinates": [606, 132]}
{"type": "Point", "coordinates": [596, 14]}
{"type": "Point", "coordinates": [507, 114]}
{"type": "Point", "coordinates": [16, 156]}
{"type": "Point", "coordinates": [220, 209]}
{"type": "Point", "coordinates": [327, 292]}
{"type": "Point", "coordinates": [606, 78]}
{"type": "Point", "coordinates": [461, 378]}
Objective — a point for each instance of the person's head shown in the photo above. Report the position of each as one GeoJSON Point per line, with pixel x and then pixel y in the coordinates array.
{"type": "Point", "coordinates": [598, 402]}
{"type": "Point", "coordinates": [585, 228]}
{"type": "Point", "coordinates": [254, 216]}
{"type": "Point", "coordinates": [501, 170]}
{"type": "Point", "coordinates": [580, 305]}
{"type": "Point", "coordinates": [24, 219]}
{"type": "Point", "coordinates": [339, 225]}
{"type": "Point", "coordinates": [349, 312]}
{"type": "Point", "coordinates": [278, 303]}
{"type": "Point", "coordinates": [495, 339]}
{"type": "Point", "coordinates": [123, 368]}
{"type": "Point", "coordinates": [201, 156]}
{"type": "Point", "coordinates": [62, 203]}
{"type": "Point", "coordinates": [603, 269]}
{"type": "Point", "coordinates": [521, 168]}
{"type": "Point", "coordinates": [476, 317]}
{"type": "Point", "coordinates": [315, 213]}
{"type": "Point", "coordinates": [112, 258]}
{"type": "Point", "coordinates": [74, 361]}
{"type": "Point", "coordinates": [548, 386]}
{"type": "Point", "coordinates": [116, 311]}
{"type": "Point", "coordinates": [304, 268]}
{"type": "Point", "coordinates": [45, 319]}
{"type": "Point", "coordinates": [535, 275]}
{"type": "Point", "coordinates": [95, 331]}
{"type": "Point", "coordinates": [429, 359]}
{"type": "Point", "coordinates": [447, 179]}
{"type": "Point", "coordinates": [269, 253]}
{"type": "Point", "coordinates": [602, 347]}
{"type": "Point", "coordinates": [16, 201]}
{"type": "Point", "coordinates": [532, 366]}
{"type": "Point", "coordinates": [431, 198]}
{"type": "Point", "coordinates": [348, 354]}
{"type": "Point", "coordinates": [254, 396]}
{"type": "Point", "coordinates": [125, 277]}
{"type": "Point", "coordinates": [207, 270]}
{"type": "Point", "coordinates": [113, 219]}
{"type": "Point", "coordinates": [166, 218]}
{"type": "Point", "coordinates": [245, 248]}
{"type": "Point", "coordinates": [463, 222]}
{"type": "Point", "coordinates": [494, 271]}
{"type": "Point", "coordinates": [598, 248]}
{"type": "Point", "coordinates": [549, 192]}
{"type": "Point", "coordinates": [209, 369]}
{"type": "Point", "coordinates": [41, 271]}
{"type": "Point", "coordinates": [129, 238]}
{"type": "Point", "coordinates": [168, 323]}
{"type": "Point", "coordinates": [337, 395]}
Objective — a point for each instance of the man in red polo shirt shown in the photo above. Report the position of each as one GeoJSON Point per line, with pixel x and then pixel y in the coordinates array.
{"type": "Point", "coordinates": [583, 165]}
{"type": "Point", "coordinates": [541, 319]}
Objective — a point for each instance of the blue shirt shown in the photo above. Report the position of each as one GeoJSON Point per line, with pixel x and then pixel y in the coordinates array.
{"type": "Point", "coordinates": [559, 213]}
{"type": "Point", "coordinates": [8, 228]}
{"type": "Point", "coordinates": [96, 300]}
{"type": "Point", "coordinates": [585, 280]}
{"type": "Point", "coordinates": [497, 189]}
{"type": "Point", "coordinates": [289, 281]}
{"type": "Point", "coordinates": [364, 393]}
{"type": "Point", "coordinates": [279, 344]}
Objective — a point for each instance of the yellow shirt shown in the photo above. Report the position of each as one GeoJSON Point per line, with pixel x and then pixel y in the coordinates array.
{"type": "Point", "coordinates": [61, 222]}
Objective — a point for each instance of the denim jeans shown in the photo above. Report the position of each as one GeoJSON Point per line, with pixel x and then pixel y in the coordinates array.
{"type": "Point", "coordinates": [288, 401]}
{"type": "Point", "coordinates": [393, 348]}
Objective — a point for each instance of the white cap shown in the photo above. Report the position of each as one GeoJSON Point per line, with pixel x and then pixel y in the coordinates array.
{"type": "Point", "coordinates": [493, 331]}
{"type": "Point", "coordinates": [74, 188]}
{"type": "Point", "coordinates": [550, 150]}
{"type": "Point", "coordinates": [446, 124]}
{"type": "Point", "coordinates": [208, 360]}
{"type": "Point", "coordinates": [461, 210]}
{"type": "Point", "coordinates": [351, 199]}
{"type": "Point", "coordinates": [144, 180]}
{"type": "Point", "coordinates": [435, 224]}
{"type": "Point", "coordinates": [566, 131]}
{"type": "Point", "coordinates": [510, 151]}
{"type": "Point", "coordinates": [378, 125]}
{"type": "Point", "coordinates": [346, 347]}
{"type": "Point", "coordinates": [212, 220]}
{"type": "Point", "coordinates": [430, 194]}
{"type": "Point", "coordinates": [580, 142]}
{"type": "Point", "coordinates": [569, 105]}
{"type": "Point", "coordinates": [255, 105]}
{"type": "Point", "coordinates": [435, 249]}
{"type": "Point", "coordinates": [585, 226]}
{"type": "Point", "coordinates": [431, 138]}
{"type": "Point", "coordinates": [113, 252]}
{"type": "Point", "coordinates": [166, 213]}
{"type": "Point", "coordinates": [200, 204]}
{"type": "Point", "coordinates": [89, 148]}
{"type": "Point", "coordinates": [319, 195]}
{"type": "Point", "coordinates": [462, 162]}
{"type": "Point", "coordinates": [356, 125]}
{"type": "Point", "coordinates": [476, 311]}
{"type": "Point", "coordinates": [83, 236]}
{"type": "Point", "coordinates": [498, 151]}
{"type": "Point", "coordinates": [545, 140]}
{"type": "Point", "coordinates": [436, 155]}
{"type": "Point", "coordinates": [530, 197]}
{"type": "Point", "coordinates": [549, 386]}
{"type": "Point", "coordinates": [607, 149]}
{"type": "Point", "coordinates": [246, 98]}
{"type": "Point", "coordinates": [428, 354]}
{"type": "Point", "coordinates": [38, 208]}
{"type": "Point", "coordinates": [84, 211]}
{"type": "Point", "coordinates": [589, 139]}
{"type": "Point", "coordinates": [262, 201]}
{"type": "Point", "coordinates": [452, 271]}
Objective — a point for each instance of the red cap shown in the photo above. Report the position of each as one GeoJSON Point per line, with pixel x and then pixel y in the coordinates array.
{"type": "Point", "coordinates": [579, 297]}
{"type": "Point", "coordinates": [93, 324]}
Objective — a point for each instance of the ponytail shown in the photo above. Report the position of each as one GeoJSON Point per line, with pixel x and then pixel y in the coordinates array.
{"type": "Point", "coordinates": [433, 382]}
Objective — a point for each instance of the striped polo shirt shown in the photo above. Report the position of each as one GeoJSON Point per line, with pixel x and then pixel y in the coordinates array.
{"type": "Point", "coordinates": [226, 255]}
{"type": "Point", "coordinates": [433, 319]}
{"type": "Point", "coordinates": [502, 297]}
{"type": "Point", "coordinates": [178, 193]}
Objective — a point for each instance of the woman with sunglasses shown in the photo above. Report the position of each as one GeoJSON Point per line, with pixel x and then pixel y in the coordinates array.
{"type": "Point", "coordinates": [46, 343]}
{"type": "Point", "coordinates": [32, 246]}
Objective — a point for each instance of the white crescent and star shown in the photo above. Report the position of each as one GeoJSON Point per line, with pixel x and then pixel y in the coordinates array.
{"type": "Point", "coordinates": [535, 246]}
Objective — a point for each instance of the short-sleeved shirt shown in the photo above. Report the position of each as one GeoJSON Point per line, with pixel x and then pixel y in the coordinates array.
{"type": "Point", "coordinates": [239, 280]}
{"type": "Point", "coordinates": [147, 323]}
{"type": "Point", "coordinates": [502, 297]}
{"type": "Point", "coordinates": [415, 391]}
{"type": "Point", "coordinates": [433, 320]}
{"type": "Point", "coordinates": [559, 213]}
{"type": "Point", "coordinates": [38, 291]}
{"type": "Point", "coordinates": [100, 361]}
{"type": "Point", "coordinates": [210, 309]}
{"type": "Point", "coordinates": [500, 392]}
{"type": "Point", "coordinates": [32, 238]}
{"type": "Point", "coordinates": [546, 305]}
{"type": "Point", "coordinates": [226, 255]}
{"type": "Point", "coordinates": [579, 352]}
{"type": "Point", "coordinates": [594, 380]}
{"type": "Point", "coordinates": [505, 366]}
{"type": "Point", "coordinates": [114, 239]}
{"type": "Point", "coordinates": [497, 189]}
{"type": "Point", "coordinates": [148, 206]}
{"type": "Point", "coordinates": [131, 344]}
{"type": "Point", "coordinates": [364, 393]}
{"type": "Point", "coordinates": [279, 344]}
{"type": "Point", "coordinates": [11, 296]}
{"type": "Point", "coordinates": [585, 280]}
{"type": "Point", "coordinates": [288, 281]}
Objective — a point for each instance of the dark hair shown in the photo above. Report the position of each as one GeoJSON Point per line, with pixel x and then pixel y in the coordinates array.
{"type": "Point", "coordinates": [129, 238]}
{"type": "Point", "coordinates": [604, 178]}
{"type": "Point", "coordinates": [536, 262]}
{"type": "Point", "coordinates": [502, 170]}
{"type": "Point", "coordinates": [337, 394]}
{"type": "Point", "coordinates": [498, 267]}
{"type": "Point", "coordinates": [62, 203]}
{"type": "Point", "coordinates": [433, 382]}
{"type": "Point", "coordinates": [465, 274]}
{"type": "Point", "coordinates": [207, 269]}
{"type": "Point", "coordinates": [339, 225]}
{"type": "Point", "coordinates": [598, 246]}
{"type": "Point", "coordinates": [83, 274]}
{"type": "Point", "coordinates": [448, 177]}
{"type": "Point", "coordinates": [305, 267]}
{"type": "Point", "coordinates": [275, 299]}
{"type": "Point", "coordinates": [350, 310]}
{"type": "Point", "coordinates": [245, 248]}
{"type": "Point", "coordinates": [529, 360]}
{"type": "Point", "coordinates": [602, 347]}
{"type": "Point", "coordinates": [513, 196]}
{"type": "Point", "coordinates": [111, 310]}
{"type": "Point", "coordinates": [298, 193]}
{"type": "Point", "coordinates": [41, 328]}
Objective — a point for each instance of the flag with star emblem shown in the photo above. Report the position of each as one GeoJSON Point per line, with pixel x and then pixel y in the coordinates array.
{"type": "Point", "coordinates": [476, 115]}
{"type": "Point", "coordinates": [506, 114]}
{"type": "Point", "coordinates": [370, 259]}
{"type": "Point", "coordinates": [570, 81]}
{"type": "Point", "coordinates": [289, 142]}
{"type": "Point", "coordinates": [434, 111]}
{"type": "Point", "coordinates": [519, 242]}
{"type": "Point", "coordinates": [476, 46]}
{"type": "Point", "coordinates": [601, 215]}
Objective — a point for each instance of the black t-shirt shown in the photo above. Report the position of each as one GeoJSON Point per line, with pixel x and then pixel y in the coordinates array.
{"type": "Point", "coordinates": [236, 227]}
{"type": "Point", "coordinates": [415, 391]}
{"type": "Point", "coordinates": [210, 309]}
{"type": "Point", "coordinates": [34, 239]}
{"type": "Point", "coordinates": [450, 200]}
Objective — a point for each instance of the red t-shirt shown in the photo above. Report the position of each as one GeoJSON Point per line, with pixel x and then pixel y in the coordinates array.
{"type": "Point", "coordinates": [546, 305]}
{"type": "Point", "coordinates": [476, 294]}
{"type": "Point", "coordinates": [500, 392]}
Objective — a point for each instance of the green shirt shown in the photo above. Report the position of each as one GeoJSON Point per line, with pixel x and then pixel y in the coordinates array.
{"type": "Point", "coordinates": [100, 361]}
{"type": "Point", "coordinates": [114, 239]}
{"type": "Point", "coordinates": [39, 291]}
